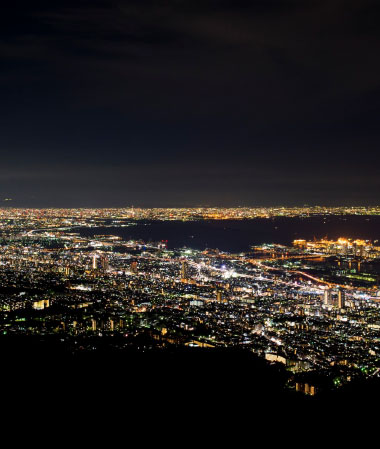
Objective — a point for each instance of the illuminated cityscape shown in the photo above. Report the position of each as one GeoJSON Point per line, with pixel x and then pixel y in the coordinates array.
{"type": "Point", "coordinates": [55, 216]}
{"type": "Point", "coordinates": [312, 307]}
{"type": "Point", "coordinates": [190, 211]}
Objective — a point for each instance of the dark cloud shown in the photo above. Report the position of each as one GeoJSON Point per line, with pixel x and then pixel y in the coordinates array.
{"type": "Point", "coordinates": [161, 102]}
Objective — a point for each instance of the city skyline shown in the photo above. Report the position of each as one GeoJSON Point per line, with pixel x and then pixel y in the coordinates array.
{"type": "Point", "coordinates": [81, 286]}
{"type": "Point", "coordinates": [189, 212]}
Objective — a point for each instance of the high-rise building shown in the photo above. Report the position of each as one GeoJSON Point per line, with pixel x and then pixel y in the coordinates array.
{"type": "Point", "coordinates": [104, 263]}
{"type": "Point", "coordinates": [327, 297]}
{"type": "Point", "coordinates": [94, 262]}
{"type": "Point", "coordinates": [184, 270]}
{"type": "Point", "coordinates": [341, 298]}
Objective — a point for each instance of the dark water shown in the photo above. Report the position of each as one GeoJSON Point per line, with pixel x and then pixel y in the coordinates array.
{"type": "Point", "coordinates": [239, 235]}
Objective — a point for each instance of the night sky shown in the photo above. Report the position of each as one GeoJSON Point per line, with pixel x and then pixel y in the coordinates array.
{"type": "Point", "coordinates": [188, 103]}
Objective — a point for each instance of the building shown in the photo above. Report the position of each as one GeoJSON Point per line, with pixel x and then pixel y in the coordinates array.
{"type": "Point", "coordinates": [184, 270]}
{"type": "Point", "coordinates": [327, 297]}
{"type": "Point", "coordinates": [341, 298]}
{"type": "Point", "coordinates": [94, 262]}
{"type": "Point", "coordinates": [104, 263]}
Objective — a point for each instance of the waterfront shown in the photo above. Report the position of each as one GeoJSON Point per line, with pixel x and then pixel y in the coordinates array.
{"type": "Point", "coordinates": [95, 281]}
{"type": "Point", "coordinates": [239, 235]}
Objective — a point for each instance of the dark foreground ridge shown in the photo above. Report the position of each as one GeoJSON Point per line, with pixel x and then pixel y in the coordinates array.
{"type": "Point", "coordinates": [43, 371]}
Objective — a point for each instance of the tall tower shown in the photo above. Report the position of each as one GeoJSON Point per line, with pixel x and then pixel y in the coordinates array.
{"type": "Point", "coordinates": [184, 270]}
{"type": "Point", "coordinates": [94, 262]}
{"type": "Point", "coordinates": [104, 263]}
{"type": "Point", "coordinates": [327, 297]}
{"type": "Point", "coordinates": [341, 298]}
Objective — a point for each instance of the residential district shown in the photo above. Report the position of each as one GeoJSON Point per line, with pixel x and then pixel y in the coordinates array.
{"type": "Point", "coordinates": [313, 306]}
